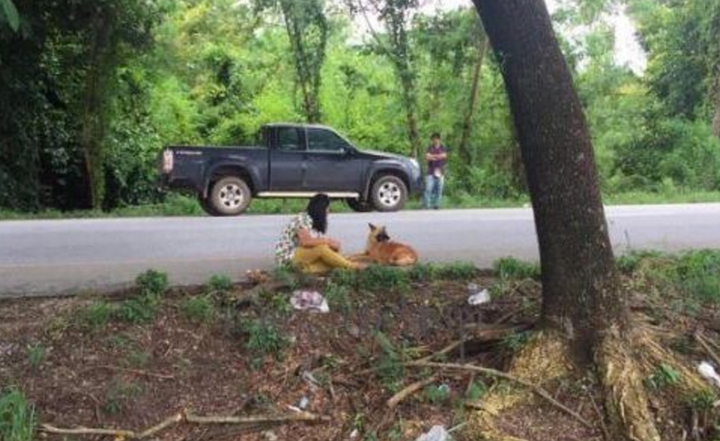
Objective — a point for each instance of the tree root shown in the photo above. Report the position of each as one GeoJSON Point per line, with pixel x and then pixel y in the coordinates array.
{"type": "Point", "coordinates": [259, 422]}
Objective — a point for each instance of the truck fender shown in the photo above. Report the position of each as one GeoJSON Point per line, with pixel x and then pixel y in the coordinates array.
{"type": "Point", "coordinates": [380, 168]}
{"type": "Point", "coordinates": [242, 169]}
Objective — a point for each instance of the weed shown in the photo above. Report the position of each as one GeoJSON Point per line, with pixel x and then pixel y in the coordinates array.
{"type": "Point", "coordinates": [96, 315]}
{"type": "Point", "coordinates": [152, 283]}
{"type": "Point", "coordinates": [220, 283]}
{"type": "Point", "coordinates": [437, 394]}
{"type": "Point", "coordinates": [287, 276]}
{"type": "Point", "coordinates": [142, 308]}
{"type": "Point", "coordinates": [338, 296]}
{"type": "Point", "coordinates": [198, 309]}
{"type": "Point", "coordinates": [390, 366]}
{"type": "Point", "coordinates": [630, 262]}
{"type": "Point", "coordinates": [456, 271]}
{"type": "Point", "coordinates": [476, 390]}
{"type": "Point", "coordinates": [119, 395]}
{"type": "Point", "coordinates": [137, 359]}
{"type": "Point", "coordinates": [698, 274]}
{"type": "Point", "coordinates": [36, 355]}
{"type": "Point", "coordinates": [664, 376]}
{"type": "Point", "coordinates": [514, 269]}
{"type": "Point", "coordinates": [264, 338]}
{"type": "Point", "coordinates": [345, 278]}
{"type": "Point", "coordinates": [702, 400]}
{"type": "Point", "coordinates": [119, 341]}
{"type": "Point", "coordinates": [515, 342]}
{"type": "Point", "coordinates": [17, 417]}
{"type": "Point", "coordinates": [379, 278]}
{"type": "Point", "coordinates": [276, 301]}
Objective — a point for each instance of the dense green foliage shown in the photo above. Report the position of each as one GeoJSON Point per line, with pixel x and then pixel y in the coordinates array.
{"type": "Point", "coordinates": [91, 90]}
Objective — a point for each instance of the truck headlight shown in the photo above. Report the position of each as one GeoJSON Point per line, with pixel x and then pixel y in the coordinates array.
{"type": "Point", "coordinates": [168, 161]}
{"type": "Point", "coordinates": [414, 162]}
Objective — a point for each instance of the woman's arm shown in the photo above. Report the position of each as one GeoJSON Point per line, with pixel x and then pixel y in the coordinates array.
{"type": "Point", "coordinates": [307, 241]}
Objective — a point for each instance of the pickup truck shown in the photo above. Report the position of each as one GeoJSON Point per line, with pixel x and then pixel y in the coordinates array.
{"type": "Point", "coordinates": [291, 161]}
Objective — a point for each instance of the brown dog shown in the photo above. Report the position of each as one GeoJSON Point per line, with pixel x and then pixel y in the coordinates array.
{"type": "Point", "coordinates": [380, 249]}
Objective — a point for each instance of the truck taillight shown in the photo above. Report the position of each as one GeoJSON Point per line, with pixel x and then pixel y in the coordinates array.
{"type": "Point", "coordinates": [167, 161]}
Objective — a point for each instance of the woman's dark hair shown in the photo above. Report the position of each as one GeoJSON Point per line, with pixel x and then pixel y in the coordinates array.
{"type": "Point", "coordinates": [317, 210]}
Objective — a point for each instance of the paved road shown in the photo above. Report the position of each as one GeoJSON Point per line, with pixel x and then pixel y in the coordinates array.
{"type": "Point", "coordinates": [68, 256]}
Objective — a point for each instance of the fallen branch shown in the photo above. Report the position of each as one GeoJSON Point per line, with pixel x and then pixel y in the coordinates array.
{"type": "Point", "coordinates": [138, 372]}
{"type": "Point", "coordinates": [260, 421]}
{"type": "Point", "coordinates": [495, 373]}
{"type": "Point", "coordinates": [408, 391]}
{"type": "Point", "coordinates": [601, 418]}
{"type": "Point", "coordinates": [700, 339]}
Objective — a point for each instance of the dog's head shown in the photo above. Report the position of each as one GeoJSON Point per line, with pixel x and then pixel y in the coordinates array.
{"type": "Point", "coordinates": [378, 234]}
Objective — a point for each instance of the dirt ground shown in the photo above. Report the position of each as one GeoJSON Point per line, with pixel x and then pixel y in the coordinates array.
{"type": "Point", "coordinates": [131, 376]}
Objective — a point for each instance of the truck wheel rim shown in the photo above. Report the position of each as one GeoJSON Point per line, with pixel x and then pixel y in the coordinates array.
{"type": "Point", "coordinates": [231, 196]}
{"type": "Point", "coordinates": [389, 194]}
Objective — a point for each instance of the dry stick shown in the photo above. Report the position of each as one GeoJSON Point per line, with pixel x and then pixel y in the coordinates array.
{"type": "Point", "coordinates": [408, 391]}
{"type": "Point", "coordinates": [138, 372]}
{"type": "Point", "coordinates": [170, 421]}
{"type": "Point", "coordinates": [600, 417]}
{"type": "Point", "coordinates": [88, 431]}
{"type": "Point", "coordinates": [298, 417]}
{"type": "Point", "coordinates": [495, 373]}
{"type": "Point", "coordinates": [700, 339]}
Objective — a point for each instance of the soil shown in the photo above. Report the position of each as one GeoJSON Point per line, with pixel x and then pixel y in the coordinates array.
{"type": "Point", "coordinates": [132, 376]}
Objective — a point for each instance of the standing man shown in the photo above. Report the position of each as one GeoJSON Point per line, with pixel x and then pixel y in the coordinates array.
{"type": "Point", "coordinates": [436, 158]}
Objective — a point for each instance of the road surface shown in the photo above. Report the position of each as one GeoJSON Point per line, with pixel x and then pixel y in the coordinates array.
{"type": "Point", "coordinates": [59, 257]}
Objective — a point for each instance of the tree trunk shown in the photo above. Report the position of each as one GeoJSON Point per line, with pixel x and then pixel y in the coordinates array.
{"type": "Point", "coordinates": [94, 116]}
{"type": "Point", "coordinates": [581, 295]}
{"type": "Point", "coordinates": [463, 149]}
{"type": "Point", "coordinates": [716, 118]}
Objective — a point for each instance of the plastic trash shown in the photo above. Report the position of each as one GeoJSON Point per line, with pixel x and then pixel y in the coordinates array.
{"type": "Point", "coordinates": [309, 301]}
{"type": "Point", "coordinates": [436, 433]}
{"type": "Point", "coordinates": [479, 298]}
{"type": "Point", "coordinates": [304, 401]}
{"type": "Point", "coordinates": [708, 372]}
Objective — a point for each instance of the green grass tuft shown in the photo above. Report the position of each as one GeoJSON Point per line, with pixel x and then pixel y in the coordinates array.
{"type": "Point", "coordinates": [220, 283]}
{"type": "Point", "coordinates": [96, 315]}
{"type": "Point", "coordinates": [264, 339]}
{"type": "Point", "coordinates": [514, 269]}
{"type": "Point", "coordinates": [36, 355]}
{"type": "Point", "coordinates": [199, 309]}
{"type": "Point", "coordinates": [17, 417]}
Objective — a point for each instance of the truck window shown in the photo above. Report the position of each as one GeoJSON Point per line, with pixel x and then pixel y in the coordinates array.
{"type": "Point", "coordinates": [288, 138]}
{"type": "Point", "coordinates": [321, 140]}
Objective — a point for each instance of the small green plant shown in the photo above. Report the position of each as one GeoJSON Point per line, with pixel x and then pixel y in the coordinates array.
{"type": "Point", "coordinates": [702, 400]}
{"type": "Point", "coordinates": [476, 390]}
{"type": "Point", "coordinates": [345, 278]}
{"type": "Point", "coordinates": [515, 342]}
{"type": "Point", "coordinates": [509, 268]}
{"type": "Point", "coordinates": [390, 366]}
{"type": "Point", "coordinates": [96, 315]}
{"type": "Point", "coordinates": [287, 276]}
{"type": "Point", "coordinates": [36, 355]}
{"type": "Point", "coordinates": [17, 417]}
{"type": "Point", "coordinates": [137, 358]}
{"type": "Point", "coordinates": [338, 296]}
{"type": "Point", "coordinates": [276, 301]}
{"type": "Point", "coordinates": [698, 274]}
{"type": "Point", "coordinates": [437, 393]}
{"type": "Point", "coordinates": [220, 283]}
{"type": "Point", "coordinates": [152, 285]}
{"type": "Point", "coordinates": [664, 376]}
{"type": "Point", "coordinates": [630, 262]}
{"type": "Point", "coordinates": [200, 309]}
{"type": "Point", "coordinates": [264, 338]}
{"type": "Point", "coordinates": [423, 272]}
{"type": "Point", "coordinates": [119, 396]}
{"type": "Point", "coordinates": [378, 278]}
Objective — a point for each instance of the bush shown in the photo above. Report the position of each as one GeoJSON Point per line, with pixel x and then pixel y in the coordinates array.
{"type": "Point", "coordinates": [141, 309]}
{"type": "Point", "coordinates": [698, 274]}
{"type": "Point", "coordinates": [198, 309]}
{"type": "Point", "coordinates": [264, 338]}
{"type": "Point", "coordinates": [17, 417]}
{"type": "Point", "coordinates": [96, 315]}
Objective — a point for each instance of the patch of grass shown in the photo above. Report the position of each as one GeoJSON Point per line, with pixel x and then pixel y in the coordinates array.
{"type": "Point", "coordinates": [457, 271]}
{"type": "Point", "coordinates": [264, 339]}
{"type": "Point", "coordinates": [137, 359]}
{"type": "Point", "coordinates": [96, 315]}
{"type": "Point", "coordinates": [199, 309]}
{"type": "Point", "coordinates": [509, 268]}
{"type": "Point", "coordinates": [698, 274]}
{"type": "Point", "coordinates": [517, 341]}
{"type": "Point", "coordinates": [630, 262]}
{"type": "Point", "coordinates": [437, 393]}
{"type": "Point", "coordinates": [36, 355]}
{"type": "Point", "coordinates": [664, 376]}
{"type": "Point", "coordinates": [119, 396]}
{"type": "Point", "coordinates": [288, 276]}
{"type": "Point", "coordinates": [476, 390]}
{"type": "Point", "coordinates": [152, 285]}
{"type": "Point", "coordinates": [702, 400]}
{"type": "Point", "coordinates": [220, 283]}
{"type": "Point", "coordinates": [17, 417]}
{"type": "Point", "coordinates": [379, 278]}
{"type": "Point", "coordinates": [338, 296]}
{"type": "Point", "coordinates": [390, 365]}
{"type": "Point", "coordinates": [276, 301]}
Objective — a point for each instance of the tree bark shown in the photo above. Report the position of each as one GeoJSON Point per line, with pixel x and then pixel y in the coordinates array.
{"type": "Point", "coordinates": [581, 295]}
{"type": "Point", "coordinates": [463, 149]}
{"type": "Point", "coordinates": [716, 118]}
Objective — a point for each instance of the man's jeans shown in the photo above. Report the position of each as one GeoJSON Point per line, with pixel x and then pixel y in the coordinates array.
{"type": "Point", "coordinates": [433, 191]}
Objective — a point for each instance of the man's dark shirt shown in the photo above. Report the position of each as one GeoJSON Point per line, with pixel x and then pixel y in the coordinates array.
{"type": "Point", "coordinates": [439, 164]}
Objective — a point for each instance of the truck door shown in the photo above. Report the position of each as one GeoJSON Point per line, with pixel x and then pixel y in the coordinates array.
{"type": "Point", "coordinates": [287, 159]}
{"type": "Point", "coordinates": [332, 165]}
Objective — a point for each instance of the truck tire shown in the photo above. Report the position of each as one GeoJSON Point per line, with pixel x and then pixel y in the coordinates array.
{"type": "Point", "coordinates": [229, 196]}
{"type": "Point", "coordinates": [206, 205]}
{"type": "Point", "coordinates": [359, 205]}
{"type": "Point", "coordinates": [389, 193]}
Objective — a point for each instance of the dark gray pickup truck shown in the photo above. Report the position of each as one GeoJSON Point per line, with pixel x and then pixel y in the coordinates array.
{"type": "Point", "coordinates": [291, 161]}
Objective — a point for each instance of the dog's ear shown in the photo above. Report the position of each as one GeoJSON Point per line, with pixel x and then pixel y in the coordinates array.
{"type": "Point", "coordinates": [372, 227]}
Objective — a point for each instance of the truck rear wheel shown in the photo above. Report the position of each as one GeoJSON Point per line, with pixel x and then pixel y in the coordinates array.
{"type": "Point", "coordinates": [389, 193]}
{"type": "Point", "coordinates": [359, 206]}
{"type": "Point", "coordinates": [229, 196]}
{"type": "Point", "coordinates": [206, 205]}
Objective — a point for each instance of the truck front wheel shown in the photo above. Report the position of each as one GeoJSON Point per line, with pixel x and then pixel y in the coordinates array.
{"type": "Point", "coordinates": [229, 196]}
{"type": "Point", "coordinates": [389, 193]}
